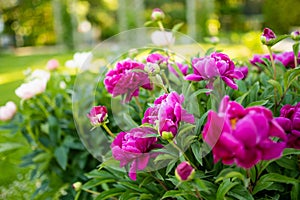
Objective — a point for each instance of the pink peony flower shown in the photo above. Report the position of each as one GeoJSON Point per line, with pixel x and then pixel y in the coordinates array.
{"type": "Point", "coordinates": [295, 35]}
{"type": "Point", "coordinates": [126, 79]}
{"type": "Point", "coordinates": [167, 112]}
{"type": "Point", "coordinates": [243, 136]}
{"type": "Point", "coordinates": [289, 120]}
{"type": "Point", "coordinates": [8, 111]}
{"type": "Point", "coordinates": [98, 115]}
{"type": "Point", "coordinates": [213, 66]}
{"type": "Point", "coordinates": [52, 64]}
{"type": "Point", "coordinates": [32, 88]}
{"type": "Point", "coordinates": [134, 147]}
{"type": "Point", "coordinates": [184, 172]}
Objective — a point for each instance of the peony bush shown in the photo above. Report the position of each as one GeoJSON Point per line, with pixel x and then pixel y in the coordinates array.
{"type": "Point", "coordinates": [165, 126]}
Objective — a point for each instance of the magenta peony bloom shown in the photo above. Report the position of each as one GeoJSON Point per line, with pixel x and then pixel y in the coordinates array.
{"type": "Point", "coordinates": [157, 58]}
{"type": "Point", "coordinates": [243, 136]}
{"type": "Point", "coordinates": [184, 172]}
{"type": "Point", "coordinates": [157, 14]}
{"type": "Point", "coordinates": [126, 79]}
{"type": "Point", "coordinates": [98, 115]}
{"type": "Point", "coordinates": [134, 147]}
{"type": "Point", "coordinates": [167, 112]}
{"type": "Point", "coordinates": [289, 120]}
{"type": "Point", "coordinates": [213, 66]}
{"type": "Point", "coordinates": [267, 36]}
{"type": "Point", "coordinates": [182, 67]}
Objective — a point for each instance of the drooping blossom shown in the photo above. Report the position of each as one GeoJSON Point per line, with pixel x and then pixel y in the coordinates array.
{"type": "Point", "coordinates": [285, 58]}
{"type": "Point", "coordinates": [126, 79]}
{"type": "Point", "coordinates": [162, 38]}
{"type": "Point", "coordinates": [98, 115]}
{"type": "Point", "coordinates": [52, 64]}
{"type": "Point", "coordinates": [243, 136]}
{"type": "Point", "coordinates": [8, 111]}
{"type": "Point", "coordinates": [213, 66]}
{"type": "Point", "coordinates": [184, 171]}
{"type": "Point", "coordinates": [135, 147]}
{"type": "Point", "coordinates": [289, 120]}
{"type": "Point", "coordinates": [157, 14]}
{"type": "Point", "coordinates": [267, 37]}
{"type": "Point", "coordinates": [167, 113]}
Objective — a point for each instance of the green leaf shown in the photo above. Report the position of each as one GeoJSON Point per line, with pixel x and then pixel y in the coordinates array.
{"type": "Point", "coordinates": [241, 193]}
{"type": "Point", "coordinates": [295, 193]}
{"type": "Point", "coordinates": [61, 155]}
{"type": "Point", "coordinates": [262, 186]}
{"type": "Point", "coordinates": [276, 85]}
{"type": "Point", "coordinates": [176, 27]}
{"type": "Point", "coordinates": [9, 146]}
{"type": "Point", "coordinates": [274, 177]}
{"type": "Point", "coordinates": [173, 193]}
{"type": "Point", "coordinates": [258, 103]}
{"type": "Point", "coordinates": [110, 193]}
{"type": "Point", "coordinates": [133, 187]}
{"type": "Point", "coordinates": [289, 76]}
{"type": "Point", "coordinates": [196, 149]}
{"type": "Point", "coordinates": [296, 49]}
{"type": "Point", "coordinates": [225, 186]}
{"type": "Point", "coordinates": [148, 23]}
{"type": "Point", "coordinates": [98, 181]}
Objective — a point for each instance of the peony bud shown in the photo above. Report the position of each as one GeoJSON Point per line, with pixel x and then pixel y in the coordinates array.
{"type": "Point", "coordinates": [157, 14]}
{"type": "Point", "coordinates": [268, 37]}
{"type": "Point", "coordinates": [184, 172]}
{"type": "Point", "coordinates": [167, 135]}
{"type": "Point", "coordinates": [77, 186]}
{"type": "Point", "coordinates": [98, 115]}
{"type": "Point", "coordinates": [295, 35]}
{"type": "Point", "coordinates": [152, 68]}
{"type": "Point", "coordinates": [8, 111]}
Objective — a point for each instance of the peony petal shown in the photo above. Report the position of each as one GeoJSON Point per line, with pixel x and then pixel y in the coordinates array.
{"type": "Point", "coordinates": [285, 123]}
{"type": "Point", "coordinates": [132, 171]}
{"type": "Point", "coordinates": [229, 82]}
{"type": "Point", "coordinates": [142, 161]}
{"type": "Point", "coordinates": [193, 77]}
{"type": "Point", "coordinates": [246, 131]}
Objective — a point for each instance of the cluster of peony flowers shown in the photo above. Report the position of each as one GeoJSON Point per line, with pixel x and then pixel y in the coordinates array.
{"type": "Point", "coordinates": [243, 136]}
{"type": "Point", "coordinates": [36, 85]}
{"type": "Point", "coordinates": [285, 58]}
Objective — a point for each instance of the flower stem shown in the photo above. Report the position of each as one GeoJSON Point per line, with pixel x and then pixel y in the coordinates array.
{"type": "Point", "coordinates": [108, 131]}
{"type": "Point", "coordinates": [274, 76]}
{"type": "Point", "coordinates": [181, 151]}
{"type": "Point", "coordinates": [91, 191]}
{"type": "Point", "coordinates": [138, 104]}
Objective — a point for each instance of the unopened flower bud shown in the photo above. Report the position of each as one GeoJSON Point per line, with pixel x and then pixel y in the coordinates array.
{"type": "Point", "coordinates": [295, 35]}
{"type": "Point", "coordinates": [167, 135]}
{"type": "Point", "coordinates": [157, 14]}
{"type": "Point", "coordinates": [77, 186]}
{"type": "Point", "coordinates": [152, 68]}
{"type": "Point", "coordinates": [268, 37]}
{"type": "Point", "coordinates": [98, 115]}
{"type": "Point", "coordinates": [184, 172]}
